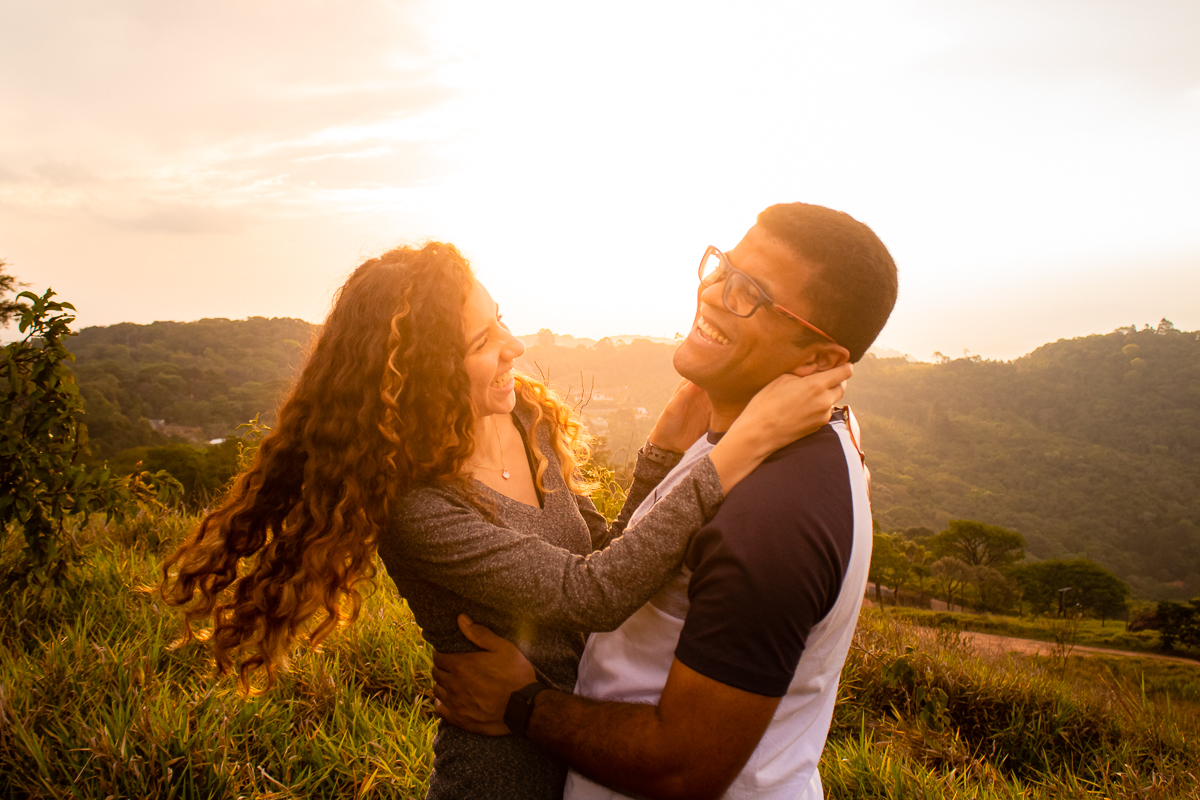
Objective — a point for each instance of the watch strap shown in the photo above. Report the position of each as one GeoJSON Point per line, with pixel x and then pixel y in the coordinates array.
{"type": "Point", "coordinates": [661, 455]}
{"type": "Point", "coordinates": [520, 707]}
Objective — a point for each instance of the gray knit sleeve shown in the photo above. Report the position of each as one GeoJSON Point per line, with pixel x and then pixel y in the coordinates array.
{"type": "Point", "coordinates": [646, 475]}
{"type": "Point", "coordinates": [443, 538]}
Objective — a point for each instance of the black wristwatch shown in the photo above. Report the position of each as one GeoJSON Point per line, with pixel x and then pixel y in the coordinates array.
{"type": "Point", "coordinates": [520, 707]}
{"type": "Point", "coordinates": [661, 455]}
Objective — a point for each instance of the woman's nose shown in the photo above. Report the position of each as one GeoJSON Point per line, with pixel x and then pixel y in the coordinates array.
{"type": "Point", "coordinates": [514, 348]}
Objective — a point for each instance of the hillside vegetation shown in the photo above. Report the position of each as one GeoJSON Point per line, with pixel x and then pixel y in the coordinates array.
{"type": "Point", "coordinates": [201, 379]}
{"type": "Point", "coordinates": [98, 702]}
{"type": "Point", "coordinates": [1089, 447]}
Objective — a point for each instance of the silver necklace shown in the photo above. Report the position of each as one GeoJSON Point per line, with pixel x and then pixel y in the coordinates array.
{"type": "Point", "coordinates": [503, 469]}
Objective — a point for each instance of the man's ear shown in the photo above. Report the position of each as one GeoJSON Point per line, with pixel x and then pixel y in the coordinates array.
{"type": "Point", "coordinates": [820, 357]}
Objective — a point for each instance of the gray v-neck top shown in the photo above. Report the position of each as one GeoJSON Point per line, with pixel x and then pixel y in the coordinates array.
{"type": "Point", "coordinates": [541, 578]}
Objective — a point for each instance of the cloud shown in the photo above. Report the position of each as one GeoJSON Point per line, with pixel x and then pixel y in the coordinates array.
{"type": "Point", "coordinates": [1142, 48]}
{"type": "Point", "coordinates": [204, 106]}
{"type": "Point", "coordinates": [181, 219]}
{"type": "Point", "coordinates": [57, 173]}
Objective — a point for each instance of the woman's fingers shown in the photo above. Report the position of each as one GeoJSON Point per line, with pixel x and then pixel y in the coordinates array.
{"type": "Point", "coordinates": [684, 419]}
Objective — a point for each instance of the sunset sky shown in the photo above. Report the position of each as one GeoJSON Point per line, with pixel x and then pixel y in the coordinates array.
{"type": "Point", "coordinates": [1034, 167]}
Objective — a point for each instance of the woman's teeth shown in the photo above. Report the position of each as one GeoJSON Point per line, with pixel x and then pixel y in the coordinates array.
{"type": "Point", "coordinates": [502, 380]}
{"type": "Point", "coordinates": [710, 331]}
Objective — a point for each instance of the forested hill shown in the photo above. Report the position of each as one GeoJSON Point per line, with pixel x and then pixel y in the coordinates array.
{"type": "Point", "coordinates": [1088, 446]}
{"type": "Point", "coordinates": [195, 380]}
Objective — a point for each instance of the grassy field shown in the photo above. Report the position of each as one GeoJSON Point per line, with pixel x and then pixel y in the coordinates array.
{"type": "Point", "coordinates": [94, 702]}
{"type": "Point", "coordinates": [1088, 632]}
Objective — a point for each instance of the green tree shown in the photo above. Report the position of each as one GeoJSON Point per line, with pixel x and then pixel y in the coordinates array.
{"type": "Point", "coordinates": [1088, 585]}
{"type": "Point", "coordinates": [985, 550]}
{"type": "Point", "coordinates": [951, 575]}
{"type": "Point", "coordinates": [44, 489]}
{"type": "Point", "coordinates": [8, 284]}
{"type": "Point", "coordinates": [202, 473]}
{"type": "Point", "coordinates": [979, 544]}
{"type": "Point", "coordinates": [1177, 623]}
{"type": "Point", "coordinates": [895, 561]}
{"type": "Point", "coordinates": [883, 560]}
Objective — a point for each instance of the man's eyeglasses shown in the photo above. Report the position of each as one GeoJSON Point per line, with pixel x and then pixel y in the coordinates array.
{"type": "Point", "coordinates": [741, 295]}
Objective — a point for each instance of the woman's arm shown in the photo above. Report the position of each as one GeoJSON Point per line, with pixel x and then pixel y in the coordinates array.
{"type": "Point", "coordinates": [442, 538]}
{"type": "Point", "coordinates": [683, 420]}
{"type": "Point", "coordinates": [446, 540]}
{"type": "Point", "coordinates": [646, 475]}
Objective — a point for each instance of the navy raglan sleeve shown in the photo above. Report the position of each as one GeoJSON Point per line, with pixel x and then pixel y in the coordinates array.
{"type": "Point", "coordinates": [769, 567]}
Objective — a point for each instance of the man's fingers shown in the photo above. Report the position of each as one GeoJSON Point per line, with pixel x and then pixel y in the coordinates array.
{"type": "Point", "coordinates": [440, 676]}
{"type": "Point", "coordinates": [480, 635]}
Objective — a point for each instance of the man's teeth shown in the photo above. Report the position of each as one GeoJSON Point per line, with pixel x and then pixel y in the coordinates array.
{"type": "Point", "coordinates": [710, 331]}
{"type": "Point", "coordinates": [503, 379]}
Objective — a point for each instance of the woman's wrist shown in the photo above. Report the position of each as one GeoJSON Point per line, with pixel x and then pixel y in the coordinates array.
{"type": "Point", "coordinates": [660, 455]}
{"type": "Point", "coordinates": [737, 455]}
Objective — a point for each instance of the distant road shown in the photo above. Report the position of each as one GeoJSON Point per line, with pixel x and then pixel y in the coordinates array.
{"type": "Point", "coordinates": [991, 642]}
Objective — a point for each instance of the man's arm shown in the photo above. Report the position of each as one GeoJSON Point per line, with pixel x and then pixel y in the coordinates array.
{"type": "Point", "coordinates": [691, 745]}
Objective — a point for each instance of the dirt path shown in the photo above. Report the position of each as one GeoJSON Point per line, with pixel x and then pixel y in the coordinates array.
{"type": "Point", "coordinates": [988, 641]}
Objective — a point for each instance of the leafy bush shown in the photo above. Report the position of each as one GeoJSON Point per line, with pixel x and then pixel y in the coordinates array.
{"type": "Point", "coordinates": [44, 489]}
{"type": "Point", "coordinates": [926, 696]}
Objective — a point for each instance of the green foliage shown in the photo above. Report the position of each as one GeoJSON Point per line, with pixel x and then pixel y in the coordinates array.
{"type": "Point", "coordinates": [1071, 445]}
{"type": "Point", "coordinates": [96, 699]}
{"type": "Point", "coordinates": [44, 489]}
{"type": "Point", "coordinates": [1090, 632]}
{"type": "Point", "coordinates": [8, 308]}
{"type": "Point", "coordinates": [951, 576]}
{"type": "Point", "coordinates": [897, 561]}
{"type": "Point", "coordinates": [921, 714]}
{"type": "Point", "coordinates": [196, 381]}
{"type": "Point", "coordinates": [202, 473]}
{"type": "Point", "coordinates": [1178, 623]}
{"type": "Point", "coordinates": [1093, 589]}
{"type": "Point", "coordinates": [608, 496]}
{"type": "Point", "coordinates": [979, 544]}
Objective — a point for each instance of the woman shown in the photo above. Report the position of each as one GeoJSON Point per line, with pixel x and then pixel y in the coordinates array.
{"type": "Point", "coordinates": [407, 433]}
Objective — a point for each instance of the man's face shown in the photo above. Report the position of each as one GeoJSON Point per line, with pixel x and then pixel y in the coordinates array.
{"type": "Point", "coordinates": [733, 357]}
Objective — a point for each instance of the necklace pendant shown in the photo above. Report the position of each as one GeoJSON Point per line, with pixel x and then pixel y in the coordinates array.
{"type": "Point", "coordinates": [504, 474]}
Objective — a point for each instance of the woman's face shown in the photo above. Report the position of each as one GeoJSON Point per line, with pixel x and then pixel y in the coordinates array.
{"type": "Point", "coordinates": [491, 350]}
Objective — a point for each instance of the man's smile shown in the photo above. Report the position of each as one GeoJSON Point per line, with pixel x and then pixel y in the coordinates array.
{"type": "Point", "coordinates": [709, 333]}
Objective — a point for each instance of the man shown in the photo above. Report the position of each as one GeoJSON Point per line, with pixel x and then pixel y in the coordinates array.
{"type": "Point", "coordinates": [724, 683]}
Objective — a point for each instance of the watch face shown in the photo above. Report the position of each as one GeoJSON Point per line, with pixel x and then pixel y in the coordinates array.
{"type": "Point", "coordinates": [520, 708]}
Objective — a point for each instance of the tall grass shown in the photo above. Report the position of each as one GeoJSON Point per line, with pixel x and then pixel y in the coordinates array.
{"type": "Point", "coordinates": [94, 702]}
{"type": "Point", "coordinates": [922, 714]}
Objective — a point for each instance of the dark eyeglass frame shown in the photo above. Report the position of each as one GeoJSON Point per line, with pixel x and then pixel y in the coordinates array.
{"type": "Point", "coordinates": [761, 296]}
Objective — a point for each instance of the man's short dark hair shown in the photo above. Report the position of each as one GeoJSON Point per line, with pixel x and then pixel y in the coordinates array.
{"type": "Point", "coordinates": [854, 288]}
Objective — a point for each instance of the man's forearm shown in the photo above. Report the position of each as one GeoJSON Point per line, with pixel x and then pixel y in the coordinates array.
{"type": "Point", "coordinates": [615, 744]}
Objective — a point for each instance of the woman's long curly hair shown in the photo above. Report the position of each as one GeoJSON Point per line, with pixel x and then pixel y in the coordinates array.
{"type": "Point", "coordinates": [382, 405]}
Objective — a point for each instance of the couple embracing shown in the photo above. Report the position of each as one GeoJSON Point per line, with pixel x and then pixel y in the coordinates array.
{"type": "Point", "coordinates": [691, 648]}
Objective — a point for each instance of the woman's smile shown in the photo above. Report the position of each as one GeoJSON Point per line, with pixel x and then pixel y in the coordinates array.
{"type": "Point", "coordinates": [503, 381]}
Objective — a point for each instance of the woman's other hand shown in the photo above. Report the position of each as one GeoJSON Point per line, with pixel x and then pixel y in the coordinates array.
{"type": "Point", "coordinates": [786, 409]}
{"type": "Point", "coordinates": [684, 419]}
{"type": "Point", "coordinates": [790, 407]}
